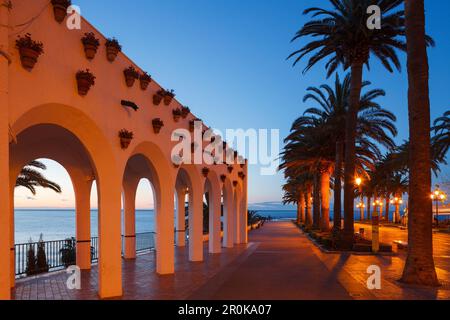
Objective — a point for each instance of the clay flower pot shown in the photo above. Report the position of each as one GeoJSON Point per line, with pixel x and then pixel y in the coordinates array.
{"type": "Point", "coordinates": [230, 169]}
{"type": "Point", "coordinates": [60, 9]}
{"type": "Point", "coordinates": [157, 97]}
{"type": "Point", "coordinates": [205, 172]}
{"type": "Point", "coordinates": [223, 178]}
{"type": "Point", "coordinates": [91, 44]}
{"type": "Point", "coordinates": [185, 112]}
{"type": "Point", "coordinates": [125, 137]}
{"type": "Point", "coordinates": [176, 114]}
{"type": "Point", "coordinates": [28, 57]}
{"type": "Point", "coordinates": [29, 51]}
{"type": "Point", "coordinates": [235, 183]}
{"type": "Point", "coordinates": [168, 97]}
{"type": "Point", "coordinates": [85, 80]}
{"type": "Point", "coordinates": [157, 125]}
{"type": "Point", "coordinates": [130, 76]}
{"type": "Point", "coordinates": [112, 49]}
{"type": "Point", "coordinates": [145, 80]}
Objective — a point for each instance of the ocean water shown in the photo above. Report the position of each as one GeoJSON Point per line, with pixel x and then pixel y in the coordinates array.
{"type": "Point", "coordinates": [60, 224]}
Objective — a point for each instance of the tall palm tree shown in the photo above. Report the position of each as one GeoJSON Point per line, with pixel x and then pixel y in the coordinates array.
{"type": "Point", "coordinates": [374, 124]}
{"type": "Point", "coordinates": [442, 134]}
{"type": "Point", "coordinates": [30, 178]}
{"type": "Point", "coordinates": [419, 266]}
{"type": "Point", "coordinates": [341, 36]}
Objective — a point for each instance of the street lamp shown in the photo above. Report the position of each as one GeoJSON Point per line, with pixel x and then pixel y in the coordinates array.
{"type": "Point", "coordinates": [397, 202]}
{"type": "Point", "coordinates": [438, 195]}
{"type": "Point", "coordinates": [360, 205]}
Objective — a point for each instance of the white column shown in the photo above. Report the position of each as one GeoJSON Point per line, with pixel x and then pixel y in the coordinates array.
{"type": "Point", "coordinates": [228, 220]}
{"type": "Point", "coordinates": [5, 216]}
{"type": "Point", "coordinates": [83, 221]}
{"type": "Point", "coordinates": [110, 240]}
{"type": "Point", "coordinates": [181, 218]}
{"type": "Point", "coordinates": [130, 188]}
{"type": "Point", "coordinates": [214, 221]}
{"type": "Point", "coordinates": [196, 224]}
{"type": "Point", "coordinates": [165, 248]}
{"type": "Point", "coordinates": [237, 218]}
{"type": "Point", "coordinates": [244, 214]}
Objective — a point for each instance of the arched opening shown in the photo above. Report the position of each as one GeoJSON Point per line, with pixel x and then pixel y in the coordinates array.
{"type": "Point", "coordinates": [212, 212]}
{"type": "Point", "coordinates": [188, 187]}
{"type": "Point", "coordinates": [66, 233]}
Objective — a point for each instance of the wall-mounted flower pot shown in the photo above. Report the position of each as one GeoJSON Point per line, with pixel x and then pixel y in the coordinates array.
{"type": "Point", "coordinates": [112, 49]}
{"type": "Point", "coordinates": [168, 97]}
{"type": "Point", "coordinates": [29, 51]}
{"type": "Point", "coordinates": [145, 80]}
{"type": "Point", "coordinates": [176, 114]}
{"type": "Point", "coordinates": [235, 183]}
{"type": "Point", "coordinates": [125, 137]}
{"type": "Point", "coordinates": [157, 97]}
{"type": "Point", "coordinates": [91, 44]}
{"type": "Point", "coordinates": [60, 9]}
{"type": "Point", "coordinates": [185, 112]}
{"type": "Point", "coordinates": [241, 175]}
{"type": "Point", "coordinates": [230, 169]}
{"type": "Point", "coordinates": [157, 125]}
{"type": "Point", "coordinates": [205, 172]}
{"type": "Point", "coordinates": [131, 75]}
{"type": "Point", "coordinates": [85, 80]}
{"type": "Point", "coordinates": [223, 178]}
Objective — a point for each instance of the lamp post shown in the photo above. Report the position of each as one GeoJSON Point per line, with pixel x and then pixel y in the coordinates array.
{"type": "Point", "coordinates": [397, 202]}
{"type": "Point", "coordinates": [438, 195]}
{"type": "Point", "coordinates": [360, 205]}
{"type": "Point", "coordinates": [376, 227]}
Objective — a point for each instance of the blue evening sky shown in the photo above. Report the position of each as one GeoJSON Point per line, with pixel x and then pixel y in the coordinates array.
{"type": "Point", "coordinates": [226, 59]}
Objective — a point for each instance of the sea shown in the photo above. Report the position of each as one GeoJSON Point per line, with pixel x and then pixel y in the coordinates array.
{"type": "Point", "coordinates": [59, 224]}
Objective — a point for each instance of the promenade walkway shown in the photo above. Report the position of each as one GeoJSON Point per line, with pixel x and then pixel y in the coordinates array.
{"type": "Point", "coordinates": [280, 262]}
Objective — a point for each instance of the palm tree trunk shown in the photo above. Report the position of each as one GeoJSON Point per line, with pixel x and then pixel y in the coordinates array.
{"type": "Point", "coordinates": [325, 200]}
{"type": "Point", "coordinates": [316, 201]}
{"type": "Point", "coordinates": [300, 207]}
{"type": "Point", "coordinates": [419, 266]}
{"type": "Point", "coordinates": [308, 213]}
{"type": "Point", "coordinates": [350, 155]}
{"type": "Point", "coordinates": [369, 205]}
{"type": "Point", "coordinates": [386, 209]}
{"type": "Point", "coordinates": [337, 209]}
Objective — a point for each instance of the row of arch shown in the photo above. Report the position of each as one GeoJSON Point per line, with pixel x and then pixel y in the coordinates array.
{"type": "Point", "coordinates": [68, 136]}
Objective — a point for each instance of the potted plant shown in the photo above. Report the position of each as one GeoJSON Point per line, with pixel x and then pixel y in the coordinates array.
{"type": "Point", "coordinates": [168, 97]}
{"type": "Point", "coordinates": [145, 80]}
{"type": "Point", "coordinates": [241, 175]}
{"type": "Point", "coordinates": [230, 169]}
{"type": "Point", "coordinates": [85, 80]}
{"type": "Point", "coordinates": [223, 178]}
{"type": "Point", "coordinates": [158, 96]}
{"type": "Point", "coordinates": [91, 44]}
{"type": "Point", "coordinates": [205, 172]}
{"type": "Point", "coordinates": [157, 125]}
{"type": "Point", "coordinates": [176, 114]}
{"type": "Point", "coordinates": [29, 51]}
{"type": "Point", "coordinates": [235, 183]}
{"type": "Point", "coordinates": [125, 138]}
{"type": "Point", "coordinates": [185, 112]}
{"type": "Point", "coordinates": [131, 75]}
{"type": "Point", "coordinates": [60, 9]}
{"type": "Point", "coordinates": [112, 49]}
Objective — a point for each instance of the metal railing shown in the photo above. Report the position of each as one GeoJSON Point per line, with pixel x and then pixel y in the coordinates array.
{"type": "Point", "coordinates": [48, 256]}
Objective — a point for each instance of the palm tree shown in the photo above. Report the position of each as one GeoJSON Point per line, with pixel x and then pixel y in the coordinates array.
{"type": "Point", "coordinates": [419, 266]}
{"type": "Point", "coordinates": [30, 178]}
{"type": "Point", "coordinates": [374, 124]}
{"type": "Point", "coordinates": [442, 134]}
{"type": "Point", "coordinates": [341, 36]}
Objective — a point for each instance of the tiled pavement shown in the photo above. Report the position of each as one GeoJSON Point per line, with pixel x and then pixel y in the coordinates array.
{"type": "Point", "coordinates": [279, 263]}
